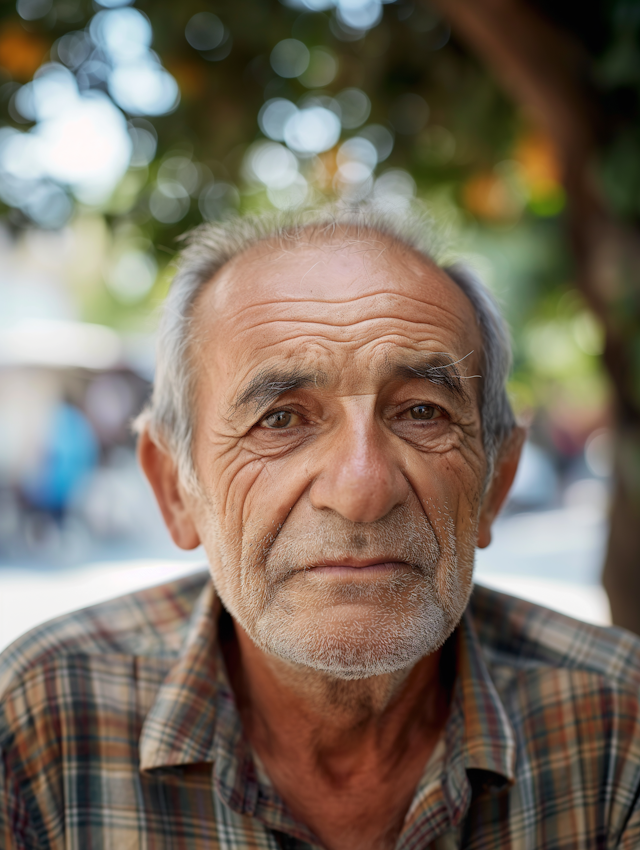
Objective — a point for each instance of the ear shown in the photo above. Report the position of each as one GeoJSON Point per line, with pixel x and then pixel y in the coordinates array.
{"type": "Point", "coordinates": [500, 484]}
{"type": "Point", "coordinates": [162, 474]}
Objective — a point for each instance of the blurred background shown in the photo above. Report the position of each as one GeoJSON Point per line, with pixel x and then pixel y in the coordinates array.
{"type": "Point", "coordinates": [123, 125]}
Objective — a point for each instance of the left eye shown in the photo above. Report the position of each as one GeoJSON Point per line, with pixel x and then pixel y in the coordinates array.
{"type": "Point", "coordinates": [280, 419]}
{"type": "Point", "coordinates": [424, 412]}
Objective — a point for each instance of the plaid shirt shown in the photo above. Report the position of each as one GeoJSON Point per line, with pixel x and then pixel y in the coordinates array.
{"type": "Point", "coordinates": [119, 731]}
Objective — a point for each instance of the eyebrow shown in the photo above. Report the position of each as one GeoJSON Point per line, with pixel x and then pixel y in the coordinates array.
{"type": "Point", "coordinates": [269, 384]}
{"type": "Point", "coordinates": [438, 368]}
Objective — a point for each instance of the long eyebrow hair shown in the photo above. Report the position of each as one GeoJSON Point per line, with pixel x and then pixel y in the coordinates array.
{"type": "Point", "coordinates": [269, 384]}
{"type": "Point", "coordinates": [438, 368]}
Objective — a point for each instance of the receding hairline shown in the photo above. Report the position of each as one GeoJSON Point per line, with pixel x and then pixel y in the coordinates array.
{"type": "Point", "coordinates": [335, 237]}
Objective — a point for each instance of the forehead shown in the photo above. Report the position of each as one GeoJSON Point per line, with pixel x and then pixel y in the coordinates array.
{"type": "Point", "coordinates": [330, 300]}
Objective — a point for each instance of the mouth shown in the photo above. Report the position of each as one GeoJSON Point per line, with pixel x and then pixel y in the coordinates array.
{"type": "Point", "coordinates": [355, 569]}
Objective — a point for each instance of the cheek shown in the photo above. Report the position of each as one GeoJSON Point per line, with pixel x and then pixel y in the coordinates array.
{"type": "Point", "coordinates": [250, 499]}
{"type": "Point", "coordinates": [449, 486]}
{"type": "Point", "coordinates": [254, 495]}
{"type": "Point", "coordinates": [450, 495]}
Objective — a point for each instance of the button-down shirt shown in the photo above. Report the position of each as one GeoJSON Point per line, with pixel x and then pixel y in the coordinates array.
{"type": "Point", "coordinates": [119, 731]}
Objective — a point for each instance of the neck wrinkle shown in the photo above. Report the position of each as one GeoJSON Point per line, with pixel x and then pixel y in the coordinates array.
{"type": "Point", "coordinates": [314, 715]}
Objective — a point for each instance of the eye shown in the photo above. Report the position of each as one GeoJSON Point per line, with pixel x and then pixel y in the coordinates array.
{"type": "Point", "coordinates": [424, 412]}
{"type": "Point", "coordinates": [280, 419]}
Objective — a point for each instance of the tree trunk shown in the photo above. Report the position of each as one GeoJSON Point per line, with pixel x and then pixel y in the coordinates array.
{"type": "Point", "coordinates": [621, 577]}
{"type": "Point", "coordinates": [544, 70]}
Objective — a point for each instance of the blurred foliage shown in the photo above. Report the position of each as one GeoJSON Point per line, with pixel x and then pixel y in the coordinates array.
{"type": "Point", "coordinates": [490, 179]}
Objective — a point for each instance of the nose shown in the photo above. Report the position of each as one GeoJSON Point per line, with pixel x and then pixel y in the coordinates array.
{"type": "Point", "coordinates": [360, 478]}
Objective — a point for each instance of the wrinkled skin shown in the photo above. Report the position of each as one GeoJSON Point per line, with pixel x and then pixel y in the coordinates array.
{"type": "Point", "coordinates": [341, 516]}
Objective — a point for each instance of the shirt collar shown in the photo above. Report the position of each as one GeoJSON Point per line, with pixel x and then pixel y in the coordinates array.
{"type": "Point", "coordinates": [194, 719]}
{"type": "Point", "coordinates": [489, 738]}
{"type": "Point", "coordinates": [179, 729]}
{"type": "Point", "coordinates": [477, 749]}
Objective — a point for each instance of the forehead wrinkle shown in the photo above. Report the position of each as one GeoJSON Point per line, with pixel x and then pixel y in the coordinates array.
{"type": "Point", "coordinates": [306, 298]}
{"type": "Point", "coordinates": [385, 306]}
{"type": "Point", "coordinates": [260, 264]}
{"type": "Point", "coordinates": [255, 315]}
{"type": "Point", "coordinates": [271, 251]}
{"type": "Point", "coordinates": [248, 311]}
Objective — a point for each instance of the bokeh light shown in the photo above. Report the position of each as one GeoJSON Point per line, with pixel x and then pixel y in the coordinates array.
{"type": "Point", "coordinates": [274, 115]}
{"type": "Point", "coordinates": [205, 31]}
{"type": "Point", "coordinates": [217, 199]}
{"type": "Point", "coordinates": [169, 202]}
{"type": "Point", "coordinates": [73, 48]}
{"type": "Point", "coordinates": [355, 107]}
{"type": "Point", "coordinates": [124, 34]}
{"type": "Point", "coordinates": [271, 164]}
{"type": "Point", "coordinates": [179, 169]}
{"type": "Point", "coordinates": [312, 129]}
{"type": "Point", "coordinates": [31, 10]}
{"type": "Point", "coordinates": [289, 197]}
{"type": "Point", "coordinates": [144, 88]}
{"type": "Point", "coordinates": [380, 137]}
{"type": "Point", "coordinates": [395, 188]}
{"type": "Point", "coordinates": [113, 4]}
{"type": "Point", "coordinates": [290, 58]}
{"type": "Point", "coordinates": [79, 140]}
{"type": "Point", "coordinates": [359, 14]}
{"type": "Point", "coordinates": [144, 140]}
{"type": "Point", "coordinates": [321, 70]}
{"type": "Point", "coordinates": [357, 158]}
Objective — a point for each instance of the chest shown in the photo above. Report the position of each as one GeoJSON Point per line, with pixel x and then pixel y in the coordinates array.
{"type": "Point", "coordinates": [364, 809]}
{"type": "Point", "coordinates": [175, 810]}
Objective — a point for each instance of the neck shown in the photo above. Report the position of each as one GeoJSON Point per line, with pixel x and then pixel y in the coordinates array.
{"type": "Point", "coordinates": [319, 718]}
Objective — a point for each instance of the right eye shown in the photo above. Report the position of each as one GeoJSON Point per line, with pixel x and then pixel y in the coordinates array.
{"type": "Point", "coordinates": [280, 419]}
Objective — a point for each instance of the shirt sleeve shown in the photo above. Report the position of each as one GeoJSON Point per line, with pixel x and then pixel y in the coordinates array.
{"type": "Point", "coordinates": [15, 830]}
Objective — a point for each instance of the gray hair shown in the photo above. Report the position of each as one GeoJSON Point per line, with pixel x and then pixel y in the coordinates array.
{"type": "Point", "coordinates": [169, 415]}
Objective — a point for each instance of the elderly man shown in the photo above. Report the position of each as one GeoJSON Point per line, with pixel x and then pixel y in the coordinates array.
{"type": "Point", "coordinates": [330, 421]}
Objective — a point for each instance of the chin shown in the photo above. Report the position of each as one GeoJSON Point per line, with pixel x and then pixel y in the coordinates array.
{"type": "Point", "coordinates": [351, 648]}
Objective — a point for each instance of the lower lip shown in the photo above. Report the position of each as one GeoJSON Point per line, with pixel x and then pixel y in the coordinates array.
{"type": "Point", "coordinates": [353, 572]}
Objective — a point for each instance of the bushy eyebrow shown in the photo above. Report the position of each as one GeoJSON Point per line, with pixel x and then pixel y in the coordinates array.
{"type": "Point", "coordinates": [269, 384]}
{"type": "Point", "coordinates": [438, 368]}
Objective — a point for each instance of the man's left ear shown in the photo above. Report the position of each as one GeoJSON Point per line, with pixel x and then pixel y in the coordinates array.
{"type": "Point", "coordinates": [505, 470]}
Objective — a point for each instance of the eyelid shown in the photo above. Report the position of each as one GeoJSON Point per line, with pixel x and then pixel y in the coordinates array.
{"type": "Point", "coordinates": [283, 408]}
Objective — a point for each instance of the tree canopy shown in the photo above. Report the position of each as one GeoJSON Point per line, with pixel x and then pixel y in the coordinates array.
{"type": "Point", "coordinates": [154, 117]}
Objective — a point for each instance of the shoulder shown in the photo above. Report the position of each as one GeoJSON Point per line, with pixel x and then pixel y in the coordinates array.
{"type": "Point", "coordinates": [571, 691]}
{"type": "Point", "coordinates": [528, 637]}
{"type": "Point", "coordinates": [151, 623]}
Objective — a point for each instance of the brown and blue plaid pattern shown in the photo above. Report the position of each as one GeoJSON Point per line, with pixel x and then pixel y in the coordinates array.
{"type": "Point", "coordinates": [119, 731]}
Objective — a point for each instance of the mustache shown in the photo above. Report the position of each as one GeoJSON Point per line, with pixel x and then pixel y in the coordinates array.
{"type": "Point", "coordinates": [404, 535]}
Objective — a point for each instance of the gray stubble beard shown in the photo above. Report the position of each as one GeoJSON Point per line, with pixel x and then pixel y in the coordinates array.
{"type": "Point", "coordinates": [415, 611]}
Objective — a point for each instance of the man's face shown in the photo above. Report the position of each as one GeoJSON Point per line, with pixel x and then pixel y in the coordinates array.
{"type": "Point", "coordinates": [340, 486]}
